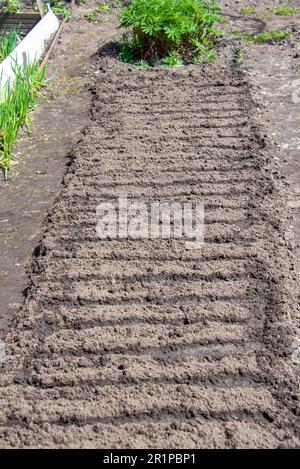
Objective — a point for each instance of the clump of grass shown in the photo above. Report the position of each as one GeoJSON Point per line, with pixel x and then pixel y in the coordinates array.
{"type": "Point", "coordinates": [16, 104]}
{"type": "Point", "coordinates": [165, 29]}
{"type": "Point", "coordinates": [8, 42]}
{"type": "Point", "coordinates": [285, 11]}
{"type": "Point", "coordinates": [238, 55]}
{"type": "Point", "coordinates": [236, 32]}
{"type": "Point", "coordinates": [268, 36]}
{"type": "Point", "coordinates": [248, 10]}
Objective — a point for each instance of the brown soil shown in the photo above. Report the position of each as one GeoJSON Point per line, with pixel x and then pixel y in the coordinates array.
{"type": "Point", "coordinates": [143, 343]}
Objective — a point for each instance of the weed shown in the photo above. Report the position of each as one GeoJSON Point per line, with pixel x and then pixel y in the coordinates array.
{"type": "Point", "coordinates": [172, 60]}
{"type": "Point", "coordinates": [236, 32]}
{"type": "Point", "coordinates": [92, 17]}
{"type": "Point", "coordinates": [267, 36]}
{"type": "Point", "coordinates": [126, 48]}
{"type": "Point", "coordinates": [143, 65]}
{"type": "Point", "coordinates": [285, 11]}
{"type": "Point", "coordinates": [60, 8]}
{"type": "Point", "coordinates": [248, 10]}
{"type": "Point", "coordinates": [170, 28]}
{"type": "Point", "coordinates": [12, 6]}
{"type": "Point", "coordinates": [196, 58]}
{"type": "Point", "coordinates": [105, 8]}
{"type": "Point", "coordinates": [8, 42]}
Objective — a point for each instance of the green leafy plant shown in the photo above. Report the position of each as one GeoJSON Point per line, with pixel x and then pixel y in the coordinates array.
{"type": "Point", "coordinates": [268, 36]}
{"type": "Point", "coordinates": [8, 42]}
{"type": "Point", "coordinates": [15, 106]}
{"type": "Point", "coordinates": [143, 65]}
{"type": "Point", "coordinates": [12, 6]}
{"type": "Point", "coordinates": [172, 60]}
{"type": "Point", "coordinates": [285, 11]}
{"type": "Point", "coordinates": [102, 9]}
{"type": "Point", "coordinates": [248, 10]}
{"type": "Point", "coordinates": [92, 17]}
{"type": "Point", "coordinates": [60, 8]}
{"type": "Point", "coordinates": [238, 55]}
{"type": "Point", "coordinates": [105, 8]}
{"type": "Point", "coordinates": [158, 28]}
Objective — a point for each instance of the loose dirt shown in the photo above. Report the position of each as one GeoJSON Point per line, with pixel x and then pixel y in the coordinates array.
{"type": "Point", "coordinates": [142, 343]}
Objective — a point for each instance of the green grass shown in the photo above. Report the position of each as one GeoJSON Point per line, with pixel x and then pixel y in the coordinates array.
{"type": "Point", "coordinates": [267, 36]}
{"type": "Point", "coordinates": [236, 32]}
{"type": "Point", "coordinates": [8, 42]}
{"type": "Point", "coordinates": [285, 11]}
{"type": "Point", "coordinates": [248, 10]}
{"type": "Point", "coordinates": [15, 108]}
{"type": "Point", "coordinates": [165, 29]}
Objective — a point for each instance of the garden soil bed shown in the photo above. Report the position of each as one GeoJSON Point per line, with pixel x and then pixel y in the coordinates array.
{"type": "Point", "coordinates": [142, 343]}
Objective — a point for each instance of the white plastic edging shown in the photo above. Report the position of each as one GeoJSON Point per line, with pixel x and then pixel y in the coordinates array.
{"type": "Point", "coordinates": [2, 351]}
{"type": "Point", "coordinates": [30, 49]}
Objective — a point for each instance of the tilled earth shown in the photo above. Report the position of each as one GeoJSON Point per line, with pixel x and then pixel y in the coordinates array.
{"type": "Point", "coordinates": [143, 343]}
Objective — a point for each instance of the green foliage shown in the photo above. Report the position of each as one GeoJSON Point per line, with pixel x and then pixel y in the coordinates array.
{"type": "Point", "coordinates": [8, 42]}
{"type": "Point", "coordinates": [102, 9]}
{"type": "Point", "coordinates": [105, 8]}
{"type": "Point", "coordinates": [285, 11]}
{"type": "Point", "coordinates": [160, 28]}
{"type": "Point", "coordinates": [60, 8]}
{"type": "Point", "coordinates": [126, 48]}
{"type": "Point", "coordinates": [248, 10]}
{"type": "Point", "coordinates": [268, 36]}
{"type": "Point", "coordinates": [15, 107]}
{"type": "Point", "coordinates": [275, 35]}
{"type": "Point", "coordinates": [196, 58]}
{"type": "Point", "coordinates": [12, 6]}
{"type": "Point", "coordinates": [92, 17]}
{"type": "Point", "coordinates": [172, 60]}
{"type": "Point", "coordinates": [238, 55]}
{"type": "Point", "coordinates": [143, 65]}
{"type": "Point", "coordinates": [236, 32]}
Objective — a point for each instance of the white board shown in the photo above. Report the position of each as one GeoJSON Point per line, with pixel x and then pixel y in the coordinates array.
{"type": "Point", "coordinates": [30, 49]}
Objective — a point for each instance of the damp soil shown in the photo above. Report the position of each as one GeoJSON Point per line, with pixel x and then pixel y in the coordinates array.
{"type": "Point", "coordinates": [143, 343]}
